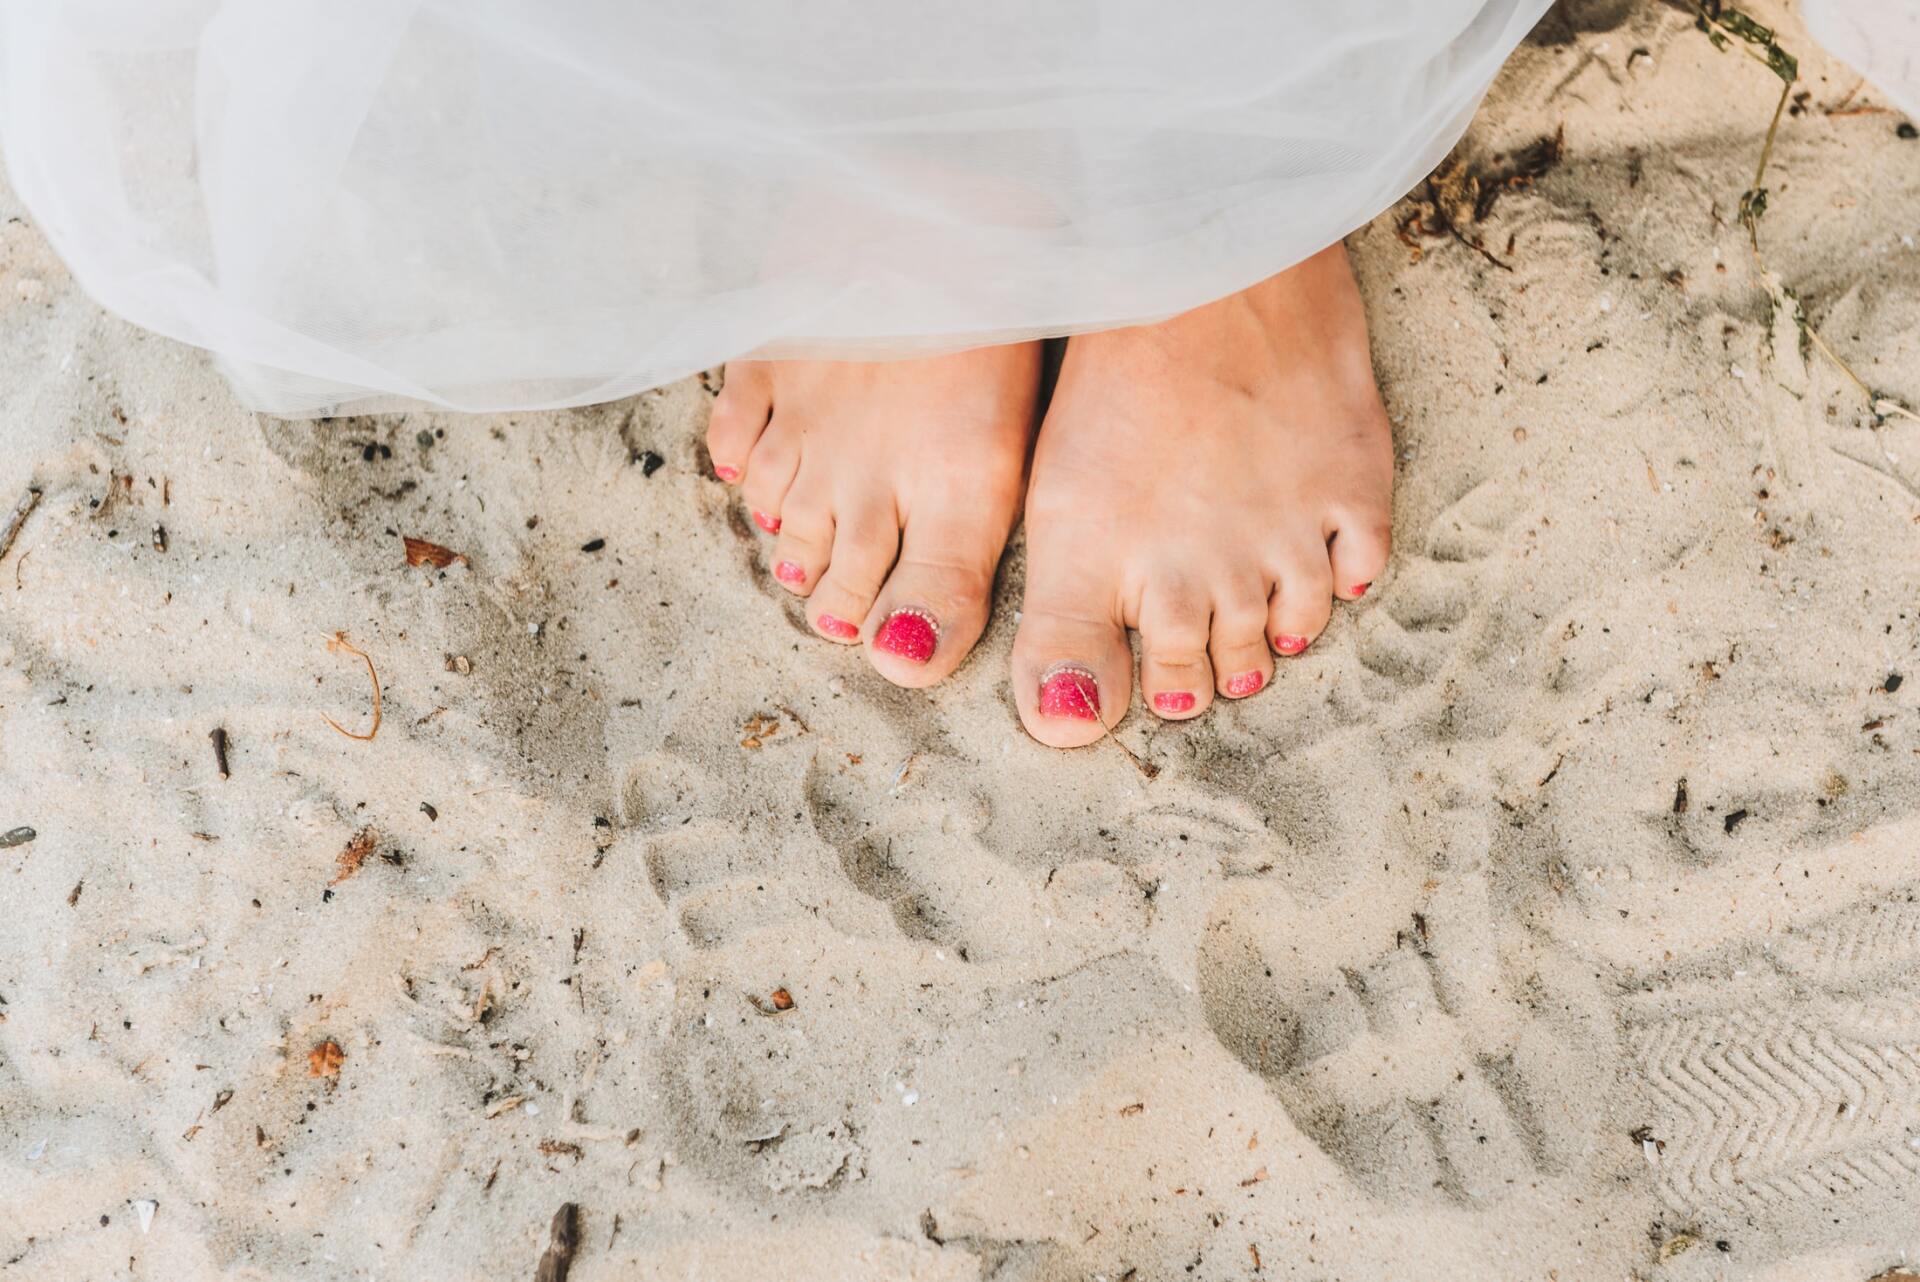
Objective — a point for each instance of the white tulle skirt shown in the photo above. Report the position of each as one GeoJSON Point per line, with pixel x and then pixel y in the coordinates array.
{"type": "Point", "coordinates": [491, 204]}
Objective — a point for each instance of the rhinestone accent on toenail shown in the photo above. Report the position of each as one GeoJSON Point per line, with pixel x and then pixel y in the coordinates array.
{"type": "Point", "coordinates": [1287, 643]}
{"type": "Point", "coordinates": [1070, 690]}
{"type": "Point", "coordinates": [839, 629]}
{"type": "Point", "coordinates": [790, 572]}
{"type": "Point", "coordinates": [909, 632]}
{"type": "Point", "coordinates": [1173, 701]}
{"type": "Point", "coordinates": [1245, 684]}
{"type": "Point", "coordinates": [771, 524]}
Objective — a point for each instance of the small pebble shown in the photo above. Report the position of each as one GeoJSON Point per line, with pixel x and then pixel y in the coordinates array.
{"type": "Point", "coordinates": [16, 837]}
{"type": "Point", "coordinates": [650, 463]}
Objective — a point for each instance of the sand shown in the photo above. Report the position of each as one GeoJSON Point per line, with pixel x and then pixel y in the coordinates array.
{"type": "Point", "coordinates": [1554, 918]}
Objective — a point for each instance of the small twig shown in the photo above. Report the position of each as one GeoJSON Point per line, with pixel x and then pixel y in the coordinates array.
{"type": "Point", "coordinates": [1090, 697]}
{"type": "Point", "coordinates": [335, 644]}
{"type": "Point", "coordinates": [21, 511]}
{"type": "Point", "coordinates": [219, 737]}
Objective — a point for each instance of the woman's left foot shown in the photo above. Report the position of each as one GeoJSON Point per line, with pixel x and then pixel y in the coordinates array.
{"type": "Point", "coordinates": [1215, 482]}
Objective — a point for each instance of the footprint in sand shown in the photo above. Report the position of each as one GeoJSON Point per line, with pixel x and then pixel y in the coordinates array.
{"type": "Point", "coordinates": [1430, 1069]}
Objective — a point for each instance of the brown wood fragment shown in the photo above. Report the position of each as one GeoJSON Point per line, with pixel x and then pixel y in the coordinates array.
{"type": "Point", "coordinates": [421, 552]}
{"type": "Point", "coordinates": [219, 737]}
{"type": "Point", "coordinates": [782, 999]}
{"type": "Point", "coordinates": [563, 1240]}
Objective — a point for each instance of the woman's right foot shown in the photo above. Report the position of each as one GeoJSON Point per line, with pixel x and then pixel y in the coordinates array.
{"type": "Point", "coordinates": [890, 488]}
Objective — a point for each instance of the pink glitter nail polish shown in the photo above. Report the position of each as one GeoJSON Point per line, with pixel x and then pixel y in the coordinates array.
{"type": "Point", "coordinates": [790, 572]}
{"type": "Point", "coordinates": [1287, 643]}
{"type": "Point", "coordinates": [1245, 684]}
{"type": "Point", "coordinates": [771, 524]}
{"type": "Point", "coordinates": [912, 634]}
{"type": "Point", "coordinates": [726, 473]}
{"type": "Point", "coordinates": [1173, 701]}
{"type": "Point", "coordinates": [1071, 691]}
{"type": "Point", "coordinates": [839, 629]}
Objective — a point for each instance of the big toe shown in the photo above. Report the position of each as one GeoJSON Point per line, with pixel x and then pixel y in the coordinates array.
{"type": "Point", "coordinates": [934, 605]}
{"type": "Point", "coordinates": [1072, 670]}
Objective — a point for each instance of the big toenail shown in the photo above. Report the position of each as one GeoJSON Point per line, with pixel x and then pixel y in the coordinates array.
{"type": "Point", "coordinates": [1069, 690]}
{"type": "Point", "coordinates": [912, 634]}
{"type": "Point", "coordinates": [1287, 643]}
{"type": "Point", "coordinates": [1359, 589]}
{"type": "Point", "coordinates": [726, 473]}
{"type": "Point", "coordinates": [1245, 684]}
{"type": "Point", "coordinates": [790, 572]}
{"type": "Point", "coordinates": [771, 524]}
{"type": "Point", "coordinates": [839, 628]}
{"type": "Point", "coordinates": [1173, 701]}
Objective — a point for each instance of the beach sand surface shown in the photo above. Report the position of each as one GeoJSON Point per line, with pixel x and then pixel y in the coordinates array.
{"type": "Point", "coordinates": [1557, 916]}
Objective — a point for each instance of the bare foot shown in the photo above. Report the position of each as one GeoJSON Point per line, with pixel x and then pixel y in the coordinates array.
{"type": "Point", "coordinates": [1215, 482]}
{"type": "Point", "coordinates": [891, 488]}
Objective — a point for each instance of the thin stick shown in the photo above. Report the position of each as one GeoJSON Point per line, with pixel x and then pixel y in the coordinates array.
{"type": "Point", "coordinates": [21, 511]}
{"type": "Point", "coordinates": [336, 644]}
{"type": "Point", "coordinates": [1088, 697]}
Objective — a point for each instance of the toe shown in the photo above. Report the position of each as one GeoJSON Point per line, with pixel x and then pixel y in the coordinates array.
{"type": "Point", "coordinates": [1176, 680]}
{"type": "Point", "coordinates": [1071, 677]}
{"type": "Point", "coordinates": [739, 416]}
{"type": "Point", "coordinates": [801, 551]}
{"type": "Point", "coordinates": [934, 605]}
{"type": "Point", "coordinates": [1242, 664]}
{"type": "Point", "coordinates": [770, 471]}
{"type": "Point", "coordinates": [1357, 545]}
{"type": "Point", "coordinates": [865, 541]}
{"type": "Point", "coordinates": [1302, 602]}
{"type": "Point", "coordinates": [1072, 670]}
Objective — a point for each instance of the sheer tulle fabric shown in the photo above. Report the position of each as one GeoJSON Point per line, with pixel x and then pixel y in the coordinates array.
{"type": "Point", "coordinates": [492, 204]}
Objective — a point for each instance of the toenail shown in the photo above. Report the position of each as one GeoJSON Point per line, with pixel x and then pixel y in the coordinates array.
{"type": "Point", "coordinates": [912, 634]}
{"type": "Point", "coordinates": [839, 628]}
{"type": "Point", "coordinates": [1287, 643]}
{"type": "Point", "coordinates": [771, 524]}
{"type": "Point", "coordinates": [1069, 690]}
{"type": "Point", "coordinates": [790, 572]}
{"type": "Point", "coordinates": [1360, 589]}
{"type": "Point", "coordinates": [1245, 684]}
{"type": "Point", "coordinates": [726, 473]}
{"type": "Point", "coordinates": [1173, 701]}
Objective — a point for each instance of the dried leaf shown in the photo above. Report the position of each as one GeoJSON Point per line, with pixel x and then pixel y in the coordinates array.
{"type": "Point", "coordinates": [359, 846]}
{"type": "Point", "coordinates": [421, 552]}
{"type": "Point", "coordinates": [325, 1059]}
{"type": "Point", "coordinates": [563, 1241]}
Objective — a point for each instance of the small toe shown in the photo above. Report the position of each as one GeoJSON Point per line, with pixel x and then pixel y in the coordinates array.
{"type": "Point", "coordinates": [770, 472]}
{"type": "Point", "coordinates": [1303, 601]}
{"type": "Point", "coordinates": [1357, 546]}
{"type": "Point", "coordinates": [1176, 679]}
{"type": "Point", "coordinates": [1242, 664]}
{"type": "Point", "coordinates": [865, 542]}
{"type": "Point", "coordinates": [934, 605]}
{"type": "Point", "coordinates": [740, 414]}
{"type": "Point", "coordinates": [800, 553]}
